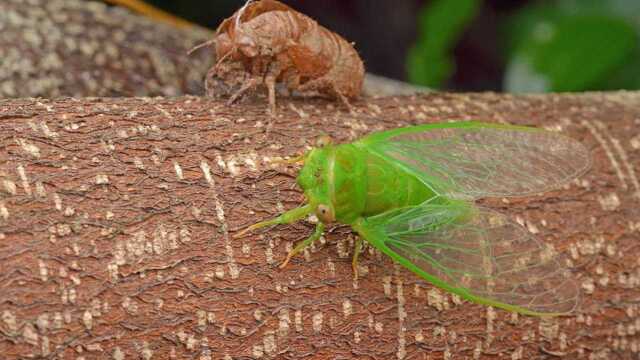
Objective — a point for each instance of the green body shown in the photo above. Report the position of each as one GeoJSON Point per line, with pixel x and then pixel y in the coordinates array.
{"type": "Point", "coordinates": [358, 183]}
{"type": "Point", "coordinates": [409, 192]}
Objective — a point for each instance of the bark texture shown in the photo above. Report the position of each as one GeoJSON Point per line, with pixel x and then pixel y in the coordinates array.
{"type": "Point", "coordinates": [53, 48]}
{"type": "Point", "coordinates": [116, 218]}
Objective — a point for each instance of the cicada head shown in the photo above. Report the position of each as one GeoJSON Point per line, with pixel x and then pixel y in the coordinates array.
{"type": "Point", "coordinates": [314, 180]}
{"type": "Point", "coordinates": [333, 181]}
{"type": "Point", "coordinates": [247, 44]}
{"type": "Point", "coordinates": [226, 50]}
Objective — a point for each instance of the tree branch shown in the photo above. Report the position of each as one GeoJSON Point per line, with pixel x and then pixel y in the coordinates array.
{"type": "Point", "coordinates": [116, 216]}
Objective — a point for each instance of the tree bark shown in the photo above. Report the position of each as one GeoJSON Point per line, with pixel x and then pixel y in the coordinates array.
{"type": "Point", "coordinates": [116, 217]}
{"type": "Point", "coordinates": [54, 48]}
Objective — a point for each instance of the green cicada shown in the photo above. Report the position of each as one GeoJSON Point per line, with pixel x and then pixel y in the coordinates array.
{"type": "Point", "coordinates": [409, 192]}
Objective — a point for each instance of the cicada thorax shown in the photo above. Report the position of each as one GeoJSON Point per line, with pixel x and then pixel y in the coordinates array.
{"type": "Point", "coordinates": [357, 183]}
{"type": "Point", "coordinates": [334, 182]}
{"type": "Point", "coordinates": [271, 33]}
{"type": "Point", "coordinates": [389, 187]}
{"type": "Point", "coordinates": [347, 182]}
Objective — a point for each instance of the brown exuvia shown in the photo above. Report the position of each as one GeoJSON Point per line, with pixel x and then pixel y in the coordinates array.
{"type": "Point", "coordinates": [267, 42]}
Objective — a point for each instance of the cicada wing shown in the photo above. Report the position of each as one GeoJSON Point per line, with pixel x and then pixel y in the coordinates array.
{"type": "Point", "coordinates": [476, 253]}
{"type": "Point", "coordinates": [471, 160]}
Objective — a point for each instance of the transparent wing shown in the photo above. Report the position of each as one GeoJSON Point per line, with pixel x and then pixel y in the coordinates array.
{"type": "Point", "coordinates": [478, 254]}
{"type": "Point", "coordinates": [471, 160]}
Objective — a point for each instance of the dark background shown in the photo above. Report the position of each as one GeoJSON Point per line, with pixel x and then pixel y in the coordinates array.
{"type": "Point", "coordinates": [481, 52]}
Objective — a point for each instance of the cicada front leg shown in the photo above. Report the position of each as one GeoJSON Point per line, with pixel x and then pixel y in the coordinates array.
{"type": "Point", "coordinates": [304, 244]}
{"type": "Point", "coordinates": [249, 84]}
{"type": "Point", "coordinates": [288, 217]}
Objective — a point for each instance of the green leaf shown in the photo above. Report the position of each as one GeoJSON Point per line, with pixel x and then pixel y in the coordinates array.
{"type": "Point", "coordinates": [440, 25]}
{"type": "Point", "coordinates": [626, 9]}
{"type": "Point", "coordinates": [574, 53]}
{"type": "Point", "coordinates": [626, 76]}
{"type": "Point", "coordinates": [428, 69]}
{"type": "Point", "coordinates": [517, 28]}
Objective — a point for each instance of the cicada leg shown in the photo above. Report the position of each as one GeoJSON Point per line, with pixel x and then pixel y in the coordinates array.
{"type": "Point", "coordinates": [250, 84]}
{"type": "Point", "coordinates": [288, 217]}
{"type": "Point", "coordinates": [208, 80]}
{"type": "Point", "coordinates": [270, 80]}
{"type": "Point", "coordinates": [327, 86]}
{"type": "Point", "coordinates": [303, 244]}
{"type": "Point", "coordinates": [200, 46]}
{"type": "Point", "coordinates": [356, 252]}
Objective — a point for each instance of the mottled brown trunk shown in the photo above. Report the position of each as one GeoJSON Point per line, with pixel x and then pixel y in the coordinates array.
{"type": "Point", "coordinates": [54, 48]}
{"type": "Point", "coordinates": [116, 216]}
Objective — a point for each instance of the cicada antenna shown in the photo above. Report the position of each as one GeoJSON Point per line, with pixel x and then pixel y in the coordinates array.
{"type": "Point", "coordinates": [200, 46]}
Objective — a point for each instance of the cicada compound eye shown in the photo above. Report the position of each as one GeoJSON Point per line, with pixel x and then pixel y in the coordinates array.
{"type": "Point", "coordinates": [324, 141]}
{"type": "Point", "coordinates": [325, 214]}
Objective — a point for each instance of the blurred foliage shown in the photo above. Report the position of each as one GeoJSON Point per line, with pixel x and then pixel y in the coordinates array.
{"type": "Point", "coordinates": [570, 46]}
{"type": "Point", "coordinates": [562, 45]}
{"type": "Point", "coordinates": [440, 25]}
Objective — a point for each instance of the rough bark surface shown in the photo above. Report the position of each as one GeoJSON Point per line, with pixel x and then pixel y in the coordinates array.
{"type": "Point", "coordinates": [54, 48]}
{"type": "Point", "coordinates": [116, 218]}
